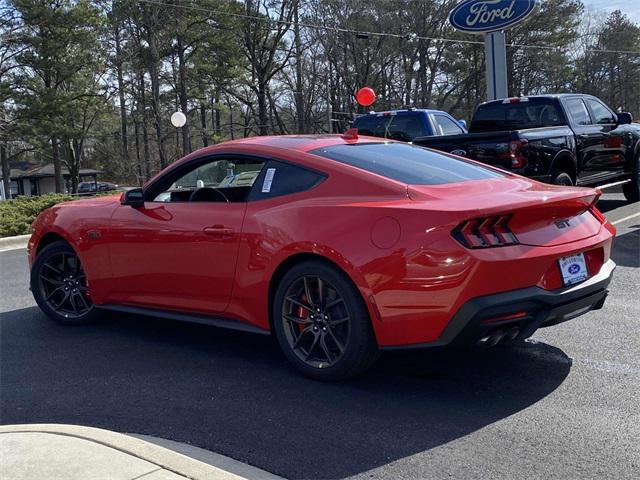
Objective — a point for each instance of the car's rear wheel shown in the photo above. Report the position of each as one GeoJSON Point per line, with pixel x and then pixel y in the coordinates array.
{"type": "Point", "coordinates": [59, 285]}
{"type": "Point", "coordinates": [562, 178]}
{"type": "Point", "coordinates": [631, 189]}
{"type": "Point", "coordinates": [322, 324]}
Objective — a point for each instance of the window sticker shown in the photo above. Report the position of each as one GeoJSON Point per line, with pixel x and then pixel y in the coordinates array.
{"type": "Point", "coordinates": [268, 180]}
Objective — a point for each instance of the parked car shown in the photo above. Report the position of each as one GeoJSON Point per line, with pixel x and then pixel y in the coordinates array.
{"type": "Point", "coordinates": [408, 124]}
{"type": "Point", "coordinates": [565, 139]}
{"type": "Point", "coordinates": [91, 188]}
{"type": "Point", "coordinates": [342, 246]}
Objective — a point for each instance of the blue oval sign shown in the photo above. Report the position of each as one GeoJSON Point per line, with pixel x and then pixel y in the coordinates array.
{"type": "Point", "coordinates": [482, 16]}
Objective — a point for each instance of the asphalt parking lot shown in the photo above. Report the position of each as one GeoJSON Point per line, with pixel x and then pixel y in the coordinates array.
{"type": "Point", "coordinates": [565, 405]}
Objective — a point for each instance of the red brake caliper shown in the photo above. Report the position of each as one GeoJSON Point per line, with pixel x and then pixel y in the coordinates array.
{"type": "Point", "coordinates": [302, 312]}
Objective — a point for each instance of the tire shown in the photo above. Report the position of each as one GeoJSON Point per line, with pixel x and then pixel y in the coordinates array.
{"type": "Point", "coordinates": [58, 284]}
{"type": "Point", "coordinates": [313, 334]}
{"type": "Point", "coordinates": [562, 178]}
{"type": "Point", "coordinates": [631, 190]}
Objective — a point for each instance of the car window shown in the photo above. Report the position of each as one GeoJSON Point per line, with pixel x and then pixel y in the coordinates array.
{"type": "Point", "coordinates": [405, 127]}
{"type": "Point", "coordinates": [446, 126]}
{"type": "Point", "coordinates": [281, 178]}
{"type": "Point", "coordinates": [578, 111]}
{"type": "Point", "coordinates": [372, 125]}
{"type": "Point", "coordinates": [601, 114]}
{"type": "Point", "coordinates": [407, 163]}
{"type": "Point", "coordinates": [529, 113]}
{"type": "Point", "coordinates": [216, 180]}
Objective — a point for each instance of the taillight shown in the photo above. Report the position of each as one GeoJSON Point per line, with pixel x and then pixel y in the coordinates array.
{"type": "Point", "coordinates": [485, 232]}
{"type": "Point", "coordinates": [518, 160]}
{"type": "Point", "coordinates": [598, 214]}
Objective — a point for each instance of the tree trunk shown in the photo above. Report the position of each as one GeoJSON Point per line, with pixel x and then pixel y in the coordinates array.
{"type": "Point", "coordinates": [214, 125]}
{"type": "Point", "coordinates": [145, 130]}
{"type": "Point", "coordinates": [74, 167]}
{"type": "Point", "coordinates": [68, 149]}
{"type": "Point", "coordinates": [263, 117]}
{"type": "Point", "coordinates": [281, 127]}
{"type": "Point", "coordinates": [155, 96]}
{"type": "Point", "coordinates": [216, 108]}
{"type": "Point", "coordinates": [176, 100]}
{"type": "Point", "coordinates": [230, 122]}
{"type": "Point", "coordinates": [123, 109]}
{"type": "Point", "coordinates": [6, 170]}
{"type": "Point", "coordinates": [136, 128]}
{"type": "Point", "coordinates": [182, 89]}
{"type": "Point", "coordinates": [57, 166]}
{"type": "Point", "coordinates": [203, 124]}
{"type": "Point", "coordinates": [299, 97]}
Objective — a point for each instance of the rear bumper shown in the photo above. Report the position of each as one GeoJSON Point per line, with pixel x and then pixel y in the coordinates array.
{"type": "Point", "coordinates": [526, 310]}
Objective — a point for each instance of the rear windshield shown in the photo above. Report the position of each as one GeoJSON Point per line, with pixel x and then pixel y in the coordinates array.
{"type": "Point", "coordinates": [404, 127]}
{"type": "Point", "coordinates": [535, 113]}
{"type": "Point", "coordinates": [407, 163]}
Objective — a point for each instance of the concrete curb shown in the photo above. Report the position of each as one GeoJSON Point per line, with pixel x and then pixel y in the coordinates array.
{"type": "Point", "coordinates": [178, 463]}
{"type": "Point", "coordinates": [14, 243]}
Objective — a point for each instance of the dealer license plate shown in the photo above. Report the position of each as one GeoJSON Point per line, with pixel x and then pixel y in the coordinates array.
{"type": "Point", "coordinates": [573, 268]}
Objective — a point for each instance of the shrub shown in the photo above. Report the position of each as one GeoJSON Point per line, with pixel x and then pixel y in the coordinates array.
{"type": "Point", "coordinates": [17, 215]}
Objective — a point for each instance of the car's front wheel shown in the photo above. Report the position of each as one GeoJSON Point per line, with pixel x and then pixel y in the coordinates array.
{"type": "Point", "coordinates": [59, 285]}
{"type": "Point", "coordinates": [322, 324]}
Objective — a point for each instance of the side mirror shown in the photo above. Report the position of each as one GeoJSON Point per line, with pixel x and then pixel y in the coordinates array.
{"type": "Point", "coordinates": [624, 118]}
{"type": "Point", "coordinates": [462, 123]}
{"type": "Point", "coordinates": [134, 198]}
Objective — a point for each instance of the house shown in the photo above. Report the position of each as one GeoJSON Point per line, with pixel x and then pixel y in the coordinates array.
{"type": "Point", "coordinates": [41, 180]}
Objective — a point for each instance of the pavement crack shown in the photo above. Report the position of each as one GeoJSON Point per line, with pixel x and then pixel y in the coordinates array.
{"type": "Point", "coordinates": [147, 473]}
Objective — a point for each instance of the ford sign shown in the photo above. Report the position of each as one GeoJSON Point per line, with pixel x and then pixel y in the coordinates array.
{"type": "Point", "coordinates": [483, 16]}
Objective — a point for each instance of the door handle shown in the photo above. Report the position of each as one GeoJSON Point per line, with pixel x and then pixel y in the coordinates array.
{"type": "Point", "coordinates": [218, 231]}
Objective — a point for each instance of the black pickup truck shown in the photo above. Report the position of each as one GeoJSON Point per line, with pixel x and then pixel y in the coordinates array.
{"type": "Point", "coordinates": [566, 139]}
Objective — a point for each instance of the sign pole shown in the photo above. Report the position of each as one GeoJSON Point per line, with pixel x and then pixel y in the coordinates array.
{"type": "Point", "coordinates": [496, 65]}
{"type": "Point", "coordinates": [491, 18]}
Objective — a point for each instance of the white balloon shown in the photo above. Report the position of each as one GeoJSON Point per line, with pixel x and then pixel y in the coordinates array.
{"type": "Point", "coordinates": [178, 119]}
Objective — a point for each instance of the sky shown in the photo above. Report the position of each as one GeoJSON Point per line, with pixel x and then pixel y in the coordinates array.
{"type": "Point", "coordinates": [629, 7]}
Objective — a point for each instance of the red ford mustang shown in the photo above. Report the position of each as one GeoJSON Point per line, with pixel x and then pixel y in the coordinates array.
{"type": "Point", "coordinates": [340, 245]}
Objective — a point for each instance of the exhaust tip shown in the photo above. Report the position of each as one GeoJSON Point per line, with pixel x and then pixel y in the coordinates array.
{"type": "Point", "coordinates": [491, 340]}
{"type": "Point", "coordinates": [512, 334]}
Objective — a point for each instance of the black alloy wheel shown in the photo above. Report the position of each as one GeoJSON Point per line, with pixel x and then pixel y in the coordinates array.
{"type": "Point", "coordinates": [322, 324]}
{"type": "Point", "coordinates": [59, 285]}
{"type": "Point", "coordinates": [316, 321]}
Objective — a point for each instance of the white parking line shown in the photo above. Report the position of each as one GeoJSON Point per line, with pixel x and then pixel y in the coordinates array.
{"type": "Point", "coordinates": [625, 218]}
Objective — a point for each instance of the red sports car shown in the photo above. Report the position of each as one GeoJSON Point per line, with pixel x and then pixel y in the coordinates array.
{"type": "Point", "coordinates": [342, 246]}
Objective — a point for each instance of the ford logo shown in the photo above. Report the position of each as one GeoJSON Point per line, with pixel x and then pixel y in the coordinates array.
{"type": "Point", "coordinates": [482, 16]}
{"type": "Point", "coordinates": [574, 268]}
{"type": "Point", "coordinates": [460, 153]}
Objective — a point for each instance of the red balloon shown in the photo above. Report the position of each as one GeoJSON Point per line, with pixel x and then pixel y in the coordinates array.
{"type": "Point", "coordinates": [365, 96]}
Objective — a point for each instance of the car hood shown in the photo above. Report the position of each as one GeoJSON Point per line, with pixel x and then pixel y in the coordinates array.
{"type": "Point", "coordinates": [94, 202]}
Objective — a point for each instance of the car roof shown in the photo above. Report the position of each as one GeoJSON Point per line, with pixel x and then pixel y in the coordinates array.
{"type": "Point", "coordinates": [286, 148]}
{"type": "Point", "coordinates": [546, 95]}
{"type": "Point", "coordinates": [403, 111]}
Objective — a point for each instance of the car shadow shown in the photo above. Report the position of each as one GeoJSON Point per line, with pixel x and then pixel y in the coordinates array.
{"type": "Point", "coordinates": [234, 393]}
{"type": "Point", "coordinates": [607, 204]}
{"type": "Point", "coordinates": [627, 247]}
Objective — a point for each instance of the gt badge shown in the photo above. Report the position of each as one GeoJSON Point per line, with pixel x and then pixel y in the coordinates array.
{"type": "Point", "coordinates": [564, 223]}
